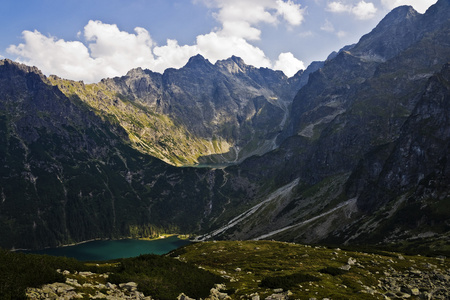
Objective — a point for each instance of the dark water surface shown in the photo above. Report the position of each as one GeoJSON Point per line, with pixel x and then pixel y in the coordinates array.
{"type": "Point", "coordinates": [105, 250]}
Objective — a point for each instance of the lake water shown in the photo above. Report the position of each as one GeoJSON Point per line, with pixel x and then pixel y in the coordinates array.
{"type": "Point", "coordinates": [112, 249]}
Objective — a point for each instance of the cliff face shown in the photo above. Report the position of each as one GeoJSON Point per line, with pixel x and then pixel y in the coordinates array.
{"type": "Point", "coordinates": [201, 113]}
{"type": "Point", "coordinates": [406, 191]}
{"type": "Point", "coordinates": [67, 176]}
{"type": "Point", "coordinates": [358, 153]}
{"type": "Point", "coordinates": [362, 104]}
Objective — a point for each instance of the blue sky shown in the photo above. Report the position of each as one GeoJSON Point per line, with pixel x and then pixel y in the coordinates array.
{"type": "Point", "coordinates": [90, 40]}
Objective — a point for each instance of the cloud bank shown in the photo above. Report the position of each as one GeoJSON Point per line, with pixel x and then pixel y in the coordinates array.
{"type": "Point", "coordinates": [362, 10]}
{"type": "Point", "coordinates": [419, 5]}
{"type": "Point", "coordinates": [107, 51]}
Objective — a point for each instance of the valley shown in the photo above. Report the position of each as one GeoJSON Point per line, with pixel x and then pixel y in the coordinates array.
{"type": "Point", "coordinates": [351, 152]}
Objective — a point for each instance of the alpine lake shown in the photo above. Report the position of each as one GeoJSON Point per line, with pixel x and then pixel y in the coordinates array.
{"type": "Point", "coordinates": [112, 249]}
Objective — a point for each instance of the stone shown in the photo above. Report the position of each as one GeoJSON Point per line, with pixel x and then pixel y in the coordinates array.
{"type": "Point", "coordinates": [110, 285]}
{"type": "Point", "coordinates": [414, 291]}
{"type": "Point", "coordinates": [351, 261]}
{"type": "Point", "coordinates": [182, 296]}
{"type": "Point", "coordinates": [255, 297]}
{"type": "Point", "coordinates": [130, 286]}
{"type": "Point", "coordinates": [345, 267]}
{"type": "Point", "coordinates": [276, 297]}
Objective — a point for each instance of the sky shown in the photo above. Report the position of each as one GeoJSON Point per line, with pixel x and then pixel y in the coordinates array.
{"type": "Point", "coordinates": [93, 39]}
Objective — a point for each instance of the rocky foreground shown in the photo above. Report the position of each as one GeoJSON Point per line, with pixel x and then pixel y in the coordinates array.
{"type": "Point", "coordinates": [275, 270]}
{"type": "Point", "coordinates": [93, 288]}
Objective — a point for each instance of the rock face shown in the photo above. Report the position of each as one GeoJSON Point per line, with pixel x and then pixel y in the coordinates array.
{"type": "Point", "coordinates": [368, 130]}
{"type": "Point", "coordinates": [67, 176]}
{"type": "Point", "coordinates": [414, 175]}
{"type": "Point", "coordinates": [358, 155]}
{"type": "Point", "coordinates": [207, 113]}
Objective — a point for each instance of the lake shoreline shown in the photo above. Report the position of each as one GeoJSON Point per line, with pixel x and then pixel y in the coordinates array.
{"type": "Point", "coordinates": [161, 237]}
{"type": "Point", "coordinates": [107, 249]}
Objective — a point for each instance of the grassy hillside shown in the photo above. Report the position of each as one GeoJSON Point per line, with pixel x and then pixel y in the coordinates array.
{"type": "Point", "coordinates": [246, 268]}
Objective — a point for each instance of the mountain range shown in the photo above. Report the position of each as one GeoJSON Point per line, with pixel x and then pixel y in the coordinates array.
{"type": "Point", "coordinates": [353, 150]}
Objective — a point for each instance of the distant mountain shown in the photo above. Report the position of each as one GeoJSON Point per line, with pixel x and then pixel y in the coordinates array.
{"type": "Point", "coordinates": [67, 176]}
{"type": "Point", "coordinates": [353, 150]}
{"type": "Point", "coordinates": [357, 107]}
{"type": "Point", "coordinates": [201, 113]}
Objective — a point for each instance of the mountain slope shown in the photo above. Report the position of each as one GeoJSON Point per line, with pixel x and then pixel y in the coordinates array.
{"type": "Point", "coordinates": [361, 150]}
{"type": "Point", "coordinates": [356, 106]}
{"type": "Point", "coordinates": [411, 186]}
{"type": "Point", "coordinates": [66, 175]}
{"type": "Point", "coordinates": [201, 113]}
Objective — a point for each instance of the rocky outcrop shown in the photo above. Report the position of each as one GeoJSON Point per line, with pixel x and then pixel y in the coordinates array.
{"type": "Point", "coordinates": [92, 289]}
{"type": "Point", "coordinates": [201, 113]}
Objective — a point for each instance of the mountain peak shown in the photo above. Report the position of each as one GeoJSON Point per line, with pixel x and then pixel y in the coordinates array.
{"type": "Point", "coordinates": [239, 61]}
{"type": "Point", "coordinates": [135, 72]}
{"type": "Point", "coordinates": [197, 61]}
{"type": "Point", "coordinates": [233, 65]}
{"type": "Point", "coordinates": [393, 34]}
{"type": "Point", "coordinates": [18, 66]}
{"type": "Point", "coordinates": [396, 16]}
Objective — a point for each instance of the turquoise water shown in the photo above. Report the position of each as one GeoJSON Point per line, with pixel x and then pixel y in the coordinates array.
{"type": "Point", "coordinates": [105, 250]}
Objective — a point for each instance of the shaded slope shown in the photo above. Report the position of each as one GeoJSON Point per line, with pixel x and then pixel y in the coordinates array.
{"type": "Point", "coordinates": [67, 176]}
{"type": "Point", "coordinates": [351, 108]}
{"type": "Point", "coordinates": [201, 113]}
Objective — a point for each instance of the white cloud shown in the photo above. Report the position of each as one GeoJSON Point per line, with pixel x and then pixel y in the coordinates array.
{"type": "Point", "coordinates": [172, 55]}
{"type": "Point", "coordinates": [290, 11]}
{"type": "Point", "coordinates": [362, 10]}
{"type": "Point", "coordinates": [327, 26]}
{"type": "Point", "coordinates": [215, 46]}
{"type": "Point", "coordinates": [341, 34]}
{"type": "Point", "coordinates": [419, 5]}
{"type": "Point", "coordinates": [240, 29]}
{"type": "Point", "coordinates": [338, 7]}
{"type": "Point", "coordinates": [107, 51]}
{"type": "Point", "coordinates": [288, 64]}
{"type": "Point", "coordinates": [68, 59]}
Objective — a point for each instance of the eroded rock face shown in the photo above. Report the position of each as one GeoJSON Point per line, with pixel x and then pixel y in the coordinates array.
{"type": "Point", "coordinates": [62, 167]}
{"type": "Point", "coordinates": [238, 109]}
{"type": "Point", "coordinates": [343, 142]}
{"type": "Point", "coordinates": [362, 151]}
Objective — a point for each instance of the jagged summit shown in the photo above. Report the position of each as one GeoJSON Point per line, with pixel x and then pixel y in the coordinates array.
{"type": "Point", "coordinates": [395, 32]}
{"type": "Point", "coordinates": [233, 65]}
{"type": "Point", "coordinates": [397, 15]}
{"type": "Point", "coordinates": [14, 66]}
{"type": "Point", "coordinates": [198, 61]}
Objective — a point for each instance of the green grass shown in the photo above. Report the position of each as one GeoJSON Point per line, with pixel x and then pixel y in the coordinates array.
{"type": "Point", "coordinates": [19, 271]}
{"type": "Point", "coordinates": [164, 277]}
{"type": "Point", "coordinates": [258, 266]}
{"type": "Point", "coordinates": [245, 267]}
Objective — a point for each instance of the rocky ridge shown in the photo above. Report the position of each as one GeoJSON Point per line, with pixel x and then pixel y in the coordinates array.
{"type": "Point", "coordinates": [201, 113]}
